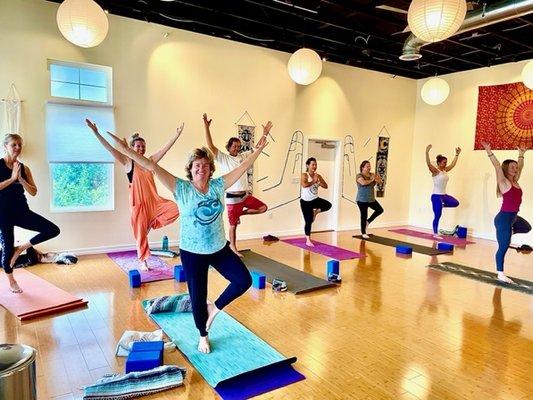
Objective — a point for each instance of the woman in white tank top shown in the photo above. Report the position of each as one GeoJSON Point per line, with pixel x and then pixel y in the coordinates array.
{"type": "Point", "coordinates": [310, 203]}
{"type": "Point", "coordinates": [439, 198]}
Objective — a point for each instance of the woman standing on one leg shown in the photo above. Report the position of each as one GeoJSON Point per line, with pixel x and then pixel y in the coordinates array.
{"type": "Point", "coordinates": [439, 198]}
{"type": "Point", "coordinates": [202, 239]}
{"type": "Point", "coordinates": [15, 179]}
{"type": "Point", "coordinates": [310, 203]}
{"type": "Point", "coordinates": [507, 175]}
{"type": "Point", "coordinates": [366, 198]}
{"type": "Point", "coordinates": [148, 209]}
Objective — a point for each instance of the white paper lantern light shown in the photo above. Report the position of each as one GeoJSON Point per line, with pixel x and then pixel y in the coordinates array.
{"type": "Point", "coordinates": [435, 91]}
{"type": "Point", "coordinates": [435, 20]}
{"type": "Point", "coordinates": [527, 75]}
{"type": "Point", "coordinates": [305, 66]}
{"type": "Point", "coordinates": [82, 22]}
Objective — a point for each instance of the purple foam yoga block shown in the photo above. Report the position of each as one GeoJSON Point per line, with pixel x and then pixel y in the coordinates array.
{"type": "Point", "coordinates": [445, 246]}
{"type": "Point", "coordinates": [179, 273]}
{"type": "Point", "coordinates": [404, 249]}
{"type": "Point", "coordinates": [258, 280]}
{"type": "Point", "coordinates": [143, 360]}
{"type": "Point", "coordinates": [135, 278]}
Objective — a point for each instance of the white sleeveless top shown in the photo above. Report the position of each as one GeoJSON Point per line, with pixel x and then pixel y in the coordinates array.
{"type": "Point", "coordinates": [311, 192]}
{"type": "Point", "coordinates": [439, 182]}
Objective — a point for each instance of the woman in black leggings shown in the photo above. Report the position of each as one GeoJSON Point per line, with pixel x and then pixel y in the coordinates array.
{"type": "Point", "coordinates": [310, 203]}
{"type": "Point", "coordinates": [15, 178]}
{"type": "Point", "coordinates": [366, 197]}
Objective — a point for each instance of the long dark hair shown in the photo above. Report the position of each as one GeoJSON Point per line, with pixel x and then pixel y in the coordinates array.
{"type": "Point", "coordinates": [363, 165]}
{"type": "Point", "coordinates": [309, 161]}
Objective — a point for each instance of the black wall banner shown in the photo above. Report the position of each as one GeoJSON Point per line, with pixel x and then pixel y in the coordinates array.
{"type": "Point", "coordinates": [382, 162]}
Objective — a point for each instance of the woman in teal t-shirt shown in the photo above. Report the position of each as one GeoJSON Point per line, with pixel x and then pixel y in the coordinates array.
{"type": "Point", "coordinates": [203, 242]}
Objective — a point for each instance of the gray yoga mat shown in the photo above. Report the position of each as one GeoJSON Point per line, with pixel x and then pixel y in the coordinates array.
{"type": "Point", "coordinates": [430, 251]}
{"type": "Point", "coordinates": [297, 281]}
{"type": "Point", "coordinates": [520, 285]}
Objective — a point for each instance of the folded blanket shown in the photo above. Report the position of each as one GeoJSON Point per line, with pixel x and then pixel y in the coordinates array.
{"type": "Point", "coordinates": [175, 303]}
{"type": "Point", "coordinates": [129, 337]}
{"type": "Point", "coordinates": [135, 384]}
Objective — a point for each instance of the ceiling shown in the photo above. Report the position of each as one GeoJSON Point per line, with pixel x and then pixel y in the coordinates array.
{"type": "Point", "coordinates": [350, 32]}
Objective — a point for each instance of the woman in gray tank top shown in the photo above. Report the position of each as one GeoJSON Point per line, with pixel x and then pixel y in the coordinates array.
{"type": "Point", "coordinates": [366, 197]}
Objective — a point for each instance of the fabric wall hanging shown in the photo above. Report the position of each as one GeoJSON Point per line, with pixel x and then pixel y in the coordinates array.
{"type": "Point", "coordinates": [382, 156]}
{"type": "Point", "coordinates": [504, 116]}
{"type": "Point", "coordinates": [245, 132]}
{"type": "Point", "coordinates": [11, 108]}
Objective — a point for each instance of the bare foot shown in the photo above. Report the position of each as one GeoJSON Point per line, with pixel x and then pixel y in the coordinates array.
{"type": "Point", "coordinates": [234, 249]}
{"type": "Point", "coordinates": [365, 236]}
{"type": "Point", "coordinates": [203, 345]}
{"type": "Point", "coordinates": [309, 243]}
{"type": "Point", "coordinates": [212, 312]}
{"type": "Point", "coordinates": [17, 251]}
{"type": "Point", "coordinates": [502, 277]}
{"type": "Point", "coordinates": [15, 288]}
{"type": "Point", "coordinates": [316, 211]}
{"type": "Point", "coordinates": [145, 266]}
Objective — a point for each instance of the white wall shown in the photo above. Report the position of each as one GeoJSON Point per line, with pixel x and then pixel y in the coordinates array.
{"type": "Point", "coordinates": [160, 82]}
{"type": "Point", "coordinates": [473, 181]}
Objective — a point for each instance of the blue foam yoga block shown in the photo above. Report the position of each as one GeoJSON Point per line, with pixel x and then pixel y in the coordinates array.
{"type": "Point", "coordinates": [258, 280]}
{"type": "Point", "coordinates": [157, 345]}
{"type": "Point", "coordinates": [404, 249]}
{"type": "Point", "coordinates": [462, 231]}
{"type": "Point", "coordinates": [445, 246]}
{"type": "Point", "coordinates": [179, 273]}
{"type": "Point", "coordinates": [135, 278]}
{"type": "Point", "coordinates": [332, 267]}
{"type": "Point", "coordinates": [143, 360]}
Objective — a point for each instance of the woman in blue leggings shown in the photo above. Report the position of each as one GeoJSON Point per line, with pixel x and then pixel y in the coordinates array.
{"type": "Point", "coordinates": [439, 198]}
{"type": "Point", "coordinates": [15, 179]}
{"type": "Point", "coordinates": [507, 220]}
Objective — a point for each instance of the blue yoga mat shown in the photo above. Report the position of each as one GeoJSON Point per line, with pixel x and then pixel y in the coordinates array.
{"type": "Point", "coordinates": [240, 365]}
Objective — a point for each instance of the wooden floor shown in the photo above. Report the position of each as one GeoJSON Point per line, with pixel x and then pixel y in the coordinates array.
{"type": "Point", "coordinates": [393, 330]}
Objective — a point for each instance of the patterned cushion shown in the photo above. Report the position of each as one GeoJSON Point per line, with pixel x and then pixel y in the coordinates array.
{"type": "Point", "coordinates": [175, 303]}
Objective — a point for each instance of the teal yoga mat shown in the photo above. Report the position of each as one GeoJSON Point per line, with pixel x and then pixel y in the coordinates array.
{"type": "Point", "coordinates": [235, 350]}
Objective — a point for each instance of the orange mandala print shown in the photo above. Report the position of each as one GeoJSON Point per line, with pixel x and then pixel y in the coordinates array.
{"type": "Point", "coordinates": [505, 116]}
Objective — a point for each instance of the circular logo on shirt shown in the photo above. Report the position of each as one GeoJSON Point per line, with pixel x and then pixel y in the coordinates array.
{"type": "Point", "coordinates": [208, 211]}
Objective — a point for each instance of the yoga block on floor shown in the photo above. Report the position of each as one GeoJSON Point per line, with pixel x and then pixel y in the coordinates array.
{"type": "Point", "coordinates": [445, 246]}
{"type": "Point", "coordinates": [143, 360]}
{"type": "Point", "coordinates": [179, 273]}
{"type": "Point", "coordinates": [461, 232]}
{"type": "Point", "coordinates": [157, 345]}
{"type": "Point", "coordinates": [135, 278]}
{"type": "Point", "coordinates": [404, 249]}
{"type": "Point", "coordinates": [258, 280]}
{"type": "Point", "coordinates": [332, 267]}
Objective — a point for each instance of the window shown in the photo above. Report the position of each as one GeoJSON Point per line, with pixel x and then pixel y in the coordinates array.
{"type": "Point", "coordinates": [81, 170]}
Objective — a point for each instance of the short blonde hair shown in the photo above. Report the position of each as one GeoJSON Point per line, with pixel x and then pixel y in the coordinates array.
{"type": "Point", "coordinates": [12, 136]}
{"type": "Point", "coordinates": [133, 138]}
{"type": "Point", "coordinates": [198, 154]}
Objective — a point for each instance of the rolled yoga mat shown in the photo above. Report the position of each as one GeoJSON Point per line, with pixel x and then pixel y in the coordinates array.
{"type": "Point", "coordinates": [325, 249]}
{"type": "Point", "coordinates": [430, 251]}
{"type": "Point", "coordinates": [240, 365]}
{"type": "Point", "coordinates": [40, 298]}
{"type": "Point", "coordinates": [127, 260]}
{"type": "Point", "coordinates": [429, 236]}
{"type": "Point", "coordinates": [297, 281]}
{"type": "Point", "coordinates": [520, 285]}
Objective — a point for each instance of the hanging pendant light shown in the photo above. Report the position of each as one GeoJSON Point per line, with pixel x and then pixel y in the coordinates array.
{"type": "Point", "coordinates": [305, 66]}
{"type": "Point", "coordinates": [527, 75]}
{"type": "Point", "coordinates": [435, 91]}
{"type": "Point", "coordinates": [435, 20]}
{"type": "Point", "coordinates": [82, 22]}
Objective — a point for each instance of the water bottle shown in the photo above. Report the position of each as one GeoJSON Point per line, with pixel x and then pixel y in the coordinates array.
{"type": "Point", "coordinates": [165, 243]}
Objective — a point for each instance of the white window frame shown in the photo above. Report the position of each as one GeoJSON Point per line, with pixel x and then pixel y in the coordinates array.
{"type": "Point", "coordinates": [69, 101]}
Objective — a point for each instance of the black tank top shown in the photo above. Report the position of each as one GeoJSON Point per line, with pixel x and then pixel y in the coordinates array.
{"type": "Point", "coordinates": [14, 193]}
{"type": "Point", "coordinates": [130, 174]}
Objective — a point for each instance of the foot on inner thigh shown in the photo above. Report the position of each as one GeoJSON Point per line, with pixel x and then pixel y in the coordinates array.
{"type": "Point", "coordinates": [316, 211]}
{"type": "Point", "coordinates": [212, 312]}
{"type": "Point", "coordinates": [502, 277]}
{"type": "Point", "coordinates": [203, 345]}
{"type": "Point", "coordinates": [234, 249]}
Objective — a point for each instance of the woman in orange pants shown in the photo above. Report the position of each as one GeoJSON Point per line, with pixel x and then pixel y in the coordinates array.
{"type": "Point", "coordinates": [148, 209]}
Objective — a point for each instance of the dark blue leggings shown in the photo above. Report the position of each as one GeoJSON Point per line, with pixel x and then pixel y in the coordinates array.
{"type": "Point", "coordinates": [26, 219]}
{"type": "Point", "coordinates": [229, 265]}
{"type": "Point", "coordinates": [439, 201]}
{"type": "Point", "coordinates": [507, 223]}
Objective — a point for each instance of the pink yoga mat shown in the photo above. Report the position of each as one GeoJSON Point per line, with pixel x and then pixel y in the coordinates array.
{"type": "Point", "coordinates": [39, 298]}
{"type": "Point", "coordinates": [325, 249]}
{"type": "Point", "coordinates": [127, 260]}
{"type": "Point", "coordinates": [429, 236]}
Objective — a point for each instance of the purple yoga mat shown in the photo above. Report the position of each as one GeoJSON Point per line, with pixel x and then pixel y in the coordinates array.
{"type": "Point", "coordinates": [127, 260]}
{"type": "Point", "coordinates": [429, 236]}
{"type": "Point", "coordinates": [325, 249]}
